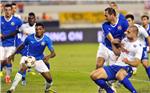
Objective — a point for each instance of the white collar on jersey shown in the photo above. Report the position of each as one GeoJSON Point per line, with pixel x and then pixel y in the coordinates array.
{"type": "Point", "coordinates": [37, 39]}
{"type": "Point", "coordinates": [8, 19]}
{"type": "Point", "coordinates": [115, 23]}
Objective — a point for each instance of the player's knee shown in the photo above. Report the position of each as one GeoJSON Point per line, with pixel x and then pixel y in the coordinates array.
{"type": "Point", "coordinates": [93, 75]}
{"type": "Point", "coordinates": [120, 76]}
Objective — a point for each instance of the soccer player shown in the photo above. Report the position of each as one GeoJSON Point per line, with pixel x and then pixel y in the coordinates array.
{"type": "Point", "coordinates": [36, 44]}
{"type": "Point", "coordinates": [26, 29]}
{"type": "Point", "coordinates": [130, 51]}
{"type": "Point", "coordinates": [9, 29]}
{"type": "Point", "coordinates": [113, 32]}
{"type": "Point", "coordinates": [146, 25]}
{"type": "Point", "coordinates": [143, 36]}
{"type": "Point", "coordinates": [14, 8]}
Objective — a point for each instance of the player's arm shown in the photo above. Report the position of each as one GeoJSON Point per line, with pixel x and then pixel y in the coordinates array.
{"type": "Point", "coordinates": [9, 35]}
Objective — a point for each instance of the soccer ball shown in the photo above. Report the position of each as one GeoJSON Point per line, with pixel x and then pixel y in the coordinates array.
{"type": "Point", "coordinates": [30, 61]}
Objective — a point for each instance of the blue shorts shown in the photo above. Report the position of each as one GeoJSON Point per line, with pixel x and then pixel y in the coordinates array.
{"type": "Point", "coordinates": [112, 71]}
{"type": "Point", "coordinates": [144, 54]}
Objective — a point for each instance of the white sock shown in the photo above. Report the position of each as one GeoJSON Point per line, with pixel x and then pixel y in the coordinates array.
{"type": "Point", "coordinates": [16, 80]}
{"type": "Point", "coordinates": [47, 86]}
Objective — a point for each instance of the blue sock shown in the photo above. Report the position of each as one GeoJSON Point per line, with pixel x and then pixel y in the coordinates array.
{"type": "Point", "coordinates": [102, 83]}
{"type": "Point", "coordinates": [8, 65]}
{"type": "Point", "coordinates": [20, 72]}
{"type": "Point", "coordinates": [1, 68]}
{"type": "Point", "coordinates": [48, 65]}
{"type": "Point", "coordinates": [24, 75]}
{"type": "Point", "coordinates": [128, 85]}
{"type": "Point", "coordinates": [148, 71]}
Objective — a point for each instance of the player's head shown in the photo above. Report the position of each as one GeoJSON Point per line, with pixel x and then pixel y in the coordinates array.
{"type": "Point", "coordinates": [8, 10]}
{"type": "Point", "coordinates": [40, 29]}
{"type": "Point", "coordinates": [31, 18]}
{"type": "Point", "coordinates": [14, 8]}
{"type": "Point", "coordinates": [110, 14]}
{"type": "Point", "coordinates": [130, 19]}
{"type": "Point", "coordinates": [113, 5]}
{"type": "Point", "coordinates": [132, 32]}
{"type": "Point", "coordinates": [145, 20]}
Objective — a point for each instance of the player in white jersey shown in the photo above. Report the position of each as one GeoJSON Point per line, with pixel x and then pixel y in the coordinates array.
{"type": "Point", "coordinates": [130, 56]}
{"type": "Point", "coordinates": [142, 35]}
{"type": "Point", "coordinates": [26, 29]}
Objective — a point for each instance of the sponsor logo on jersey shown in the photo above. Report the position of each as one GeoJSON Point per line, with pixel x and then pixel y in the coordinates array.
{"type": "Point", "coordinates": [119, 28]}
{"type": "Point", "coordinates": [12, 23]}
{"type": "Point", "coordinates": [42, 43]}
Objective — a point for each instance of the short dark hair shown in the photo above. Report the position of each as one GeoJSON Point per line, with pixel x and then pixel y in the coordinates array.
{"type": "Point", "coordinates": [13, 4]}
{"type": "Point", "coordinates": [145, 16]}
{"type": "Point", "coordinates": [40, 24]}
{"type": "Point", "coordinates": [111, 11]}
{"type": "Point", "coordinates": [8, 5]}
{"type": "Point", "coordinates": [31, 14]}
{"type": "Point", "coordinates": [130, 16]}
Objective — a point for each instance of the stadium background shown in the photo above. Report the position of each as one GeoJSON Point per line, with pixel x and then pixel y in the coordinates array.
{"type": "Point", "coordinates": [74, 26]}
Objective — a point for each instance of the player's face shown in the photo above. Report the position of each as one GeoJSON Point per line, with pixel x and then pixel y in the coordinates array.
{"type": "Point", "coordinates": [130, 21]}
{"type": "Point", "coordinates": [108, 16]}
{"type": "Point", "coordinates": [130, 34]}
{"type": "Point", "coordinates": [8, 12]}
{"type": "Point", "coordinates": [144, 21]}
{"type": "Point", "coordinates": [31, 20]}
{"type": "Point", "coordinates": [14, 8]}
{"type": "Point", "coordinates": [39, 31]}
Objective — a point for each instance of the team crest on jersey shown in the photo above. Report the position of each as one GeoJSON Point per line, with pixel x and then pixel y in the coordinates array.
{"type": "Point", "coordinates": [12, 23]}
{"type": "Point", "coordinates": [42, 43]}
{"type": "Point", "coordinates": [119, 28]}
{"type": "Point", "coordinates": [134, 46]}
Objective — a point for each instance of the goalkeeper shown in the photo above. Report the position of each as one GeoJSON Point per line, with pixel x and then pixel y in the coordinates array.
{"type": "Point", "coordinates": [36, 45]}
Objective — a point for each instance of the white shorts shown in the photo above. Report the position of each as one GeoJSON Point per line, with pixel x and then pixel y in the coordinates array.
{"type": "Point", "coordinates": [39, 65]}
{"type": "Point", "coordinates": [108, 55]}
{"type": "Point", "coordinates": [5, 52]}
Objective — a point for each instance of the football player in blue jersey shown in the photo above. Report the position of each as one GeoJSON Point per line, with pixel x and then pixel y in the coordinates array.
{"type": "Point", "coordinates": [146, 25]}
{"type": "Point", "coordinates": [113, 33]}
{"type": "Point", "coordinates": [9, 28]}
{"type": "Point", "coordinates": [130, 53]}
{"type": "Point", "coordinates": [36, 45]}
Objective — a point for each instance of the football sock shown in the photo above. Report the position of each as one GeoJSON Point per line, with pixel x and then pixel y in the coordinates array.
{"type": "Point", "coordinates": [16, 81]}
{"type": "Point", "coordinates": [48, 85]}
{"type": "Point", "coordinates": [128, 85]}
{"type": "Point", "coordinates": [102, 83]}
{"type": "Point", "coordinates": [8, 69]}
{"type": "Point", "coordinates": [148, 71]}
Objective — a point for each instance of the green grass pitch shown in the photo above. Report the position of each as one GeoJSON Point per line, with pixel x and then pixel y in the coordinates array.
{"type": "Point", "coordinates": [70, 70]}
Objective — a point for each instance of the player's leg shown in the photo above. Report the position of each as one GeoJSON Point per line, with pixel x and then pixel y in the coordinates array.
{"type": "Point", "coordinates": [122, 75]}
{"type": "Point", "coordinates": [2, 63]}
{"type": "Point", "coordinates": [17, 78]}
{"type": "Point", "coordinates": [99, 76]}
{"type": "Point", "coordinates": [42, 68]}
{"type": "Point", "coordinates": [8, 52]}
{"type": "Point", "coordinates": [145, 61]}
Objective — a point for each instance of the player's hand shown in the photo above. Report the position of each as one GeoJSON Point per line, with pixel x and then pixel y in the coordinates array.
{"type": "Point", "coordinates": [46, 58]}
{"type": "Point", "coordinates": [125, 60]}
{"type": "Point", "coordinates": [115, 41]}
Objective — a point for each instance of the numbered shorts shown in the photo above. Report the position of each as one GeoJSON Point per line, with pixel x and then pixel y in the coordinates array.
{"type": "Point", "coordinates": [39, 65]}
{"type": "Point", "coordinates": [107, 54]}
{"type": "Point", "coordinates": [5, 52]}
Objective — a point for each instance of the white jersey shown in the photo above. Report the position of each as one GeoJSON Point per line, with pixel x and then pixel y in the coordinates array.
{"type": "Point", "coordinates": [17, 15]}
{"type": "Point", "coordinates": [131, 51]}
{"type": "Point", "coordinates": [142, 34]}
{"type": "Point", "coordinates": [26, 30]}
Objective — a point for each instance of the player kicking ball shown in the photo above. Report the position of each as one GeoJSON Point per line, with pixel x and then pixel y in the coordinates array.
{"type": "Point", "coordinates": [36, 45]}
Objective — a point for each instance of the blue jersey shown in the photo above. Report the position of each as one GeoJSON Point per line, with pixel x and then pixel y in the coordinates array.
{"type": "Point", "coordinates": [148, 31]}
{"type": "Point", "coordinates": [36, 46]}
{"type": "Point", "coordinates": [7, 27]}
{"type": "Point", "coordinates": [121, 16]}
{"type": "Point", "coordinates": [116, 30]}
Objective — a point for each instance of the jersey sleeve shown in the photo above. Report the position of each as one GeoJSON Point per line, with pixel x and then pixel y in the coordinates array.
{"type": "Point", "coordinates": [105, 29]}
{"type": "Point", "coordinates": [19, 23]}
{"type": "Point", "coordinates": [139, 52]}
{"type": "Point", "coordinates": [125, 25]}
{"type": "Point", "coordinates": [143, 32]}
{"type": "Point", "coordinates": [50, 44]}
{"type": "Point", "coordinates": [26, 41]}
